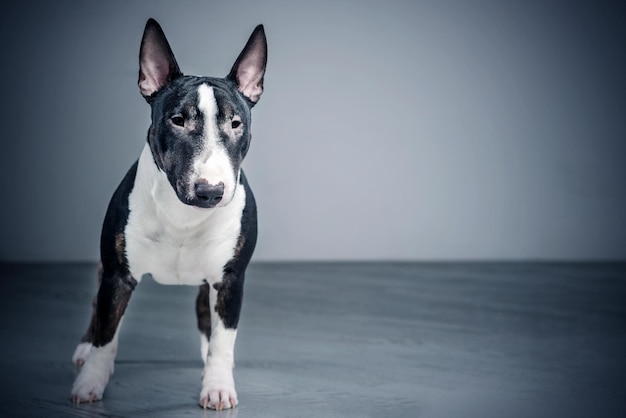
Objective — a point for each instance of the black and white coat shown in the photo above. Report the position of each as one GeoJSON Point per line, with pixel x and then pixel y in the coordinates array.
{"type": "Point", "coordinates": [184, 213]}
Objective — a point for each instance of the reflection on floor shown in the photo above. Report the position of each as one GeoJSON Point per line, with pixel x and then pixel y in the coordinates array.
{"type": "Point", "coordinates": [337, 340]}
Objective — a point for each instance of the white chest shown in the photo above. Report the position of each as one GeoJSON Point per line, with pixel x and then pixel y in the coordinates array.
{"type": "Point", "coordinates": [174, 242]}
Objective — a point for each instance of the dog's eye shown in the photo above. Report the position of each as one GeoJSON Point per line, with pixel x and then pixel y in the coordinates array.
{"type": "Point", "coordinates": [235, 124]}
{"type": "Point", "coordinates": [178, 120]}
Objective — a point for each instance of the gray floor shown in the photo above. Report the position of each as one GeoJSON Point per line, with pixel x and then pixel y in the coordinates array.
{"type": "Point", "coordinates": [337, 340]}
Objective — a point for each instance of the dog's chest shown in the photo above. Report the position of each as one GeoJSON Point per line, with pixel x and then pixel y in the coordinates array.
{"type": "Point", "coordinates": [175, 243]}
{"type": "Point", "coordinates": [170, 260]}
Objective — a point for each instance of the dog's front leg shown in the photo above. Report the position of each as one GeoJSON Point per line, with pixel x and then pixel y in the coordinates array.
{"type": "Point", "coordinates": [218, 386]}
{"type": "Point", "coordinates": [111, 301]}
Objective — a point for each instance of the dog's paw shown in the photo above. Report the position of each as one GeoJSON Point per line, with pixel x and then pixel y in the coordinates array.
{"type": "Point", "coordinates": [81, 353]}
{"type": "Point", "coordinates": [218, 389]}
{"type": "Point", "coordinates": [218, 399]}
{"type": "Point", "coordinates": [89, 387]}
{"type": "Point", "coordinates": [92, 379]}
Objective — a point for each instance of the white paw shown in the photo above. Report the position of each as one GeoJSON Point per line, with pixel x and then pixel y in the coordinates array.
{"type": "Point", "coordinates": [218, 389]}
{"type": "Point", "coordinates": [89, 386]}
{"type": "Point", "coordinates": [81, 353]}
{"type": "Point", "coordinates": [93, 377]}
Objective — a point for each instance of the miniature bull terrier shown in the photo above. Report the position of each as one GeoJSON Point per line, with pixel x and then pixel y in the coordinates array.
{"type": "Point", "coordinates": [184, 213]}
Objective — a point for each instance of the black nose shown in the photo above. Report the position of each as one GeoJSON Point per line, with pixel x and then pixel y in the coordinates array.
{"type": "Point", "coordinates": [208, 195]}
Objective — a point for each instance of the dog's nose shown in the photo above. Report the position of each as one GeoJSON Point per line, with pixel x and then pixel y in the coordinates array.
{"type": "Point", "coordinates": [209, 195]}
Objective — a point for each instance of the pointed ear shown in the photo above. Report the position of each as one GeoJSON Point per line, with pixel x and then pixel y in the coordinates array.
{"type": "Point", "coordinates": [249, 69]}
{"type": "Point", "coordinates": [157, 65]}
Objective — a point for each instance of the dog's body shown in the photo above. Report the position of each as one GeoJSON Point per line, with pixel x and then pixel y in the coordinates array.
{"type": "Point", "coordinates": [184, 213]}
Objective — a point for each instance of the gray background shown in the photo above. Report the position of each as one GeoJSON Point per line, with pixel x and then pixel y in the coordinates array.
{"type": "Point", "coordinates": [410, 130]}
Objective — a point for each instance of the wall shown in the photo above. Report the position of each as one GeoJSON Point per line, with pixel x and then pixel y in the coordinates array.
{"type": "Point", "coordinates": [388, 130]}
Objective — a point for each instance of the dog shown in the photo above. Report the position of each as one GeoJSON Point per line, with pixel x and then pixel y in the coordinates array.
{"type": "Point", "coordinates": [184, 213]}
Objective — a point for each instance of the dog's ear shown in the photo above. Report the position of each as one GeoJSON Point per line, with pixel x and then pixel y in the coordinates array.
{"type": "Point", "coordinates": [249, 69]}
{"type": "Point", "coordinates": [157, 65]}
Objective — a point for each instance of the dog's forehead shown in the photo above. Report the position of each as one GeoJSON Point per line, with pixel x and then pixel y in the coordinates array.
{"type": "Point", "coordinates": [223, 97]}
{"type": "Point", "coordinates": [183, 95]}
{"type": "Point", "coordinates": [206, 101]}
{"type": "Point", "coordinates": [227, 100]}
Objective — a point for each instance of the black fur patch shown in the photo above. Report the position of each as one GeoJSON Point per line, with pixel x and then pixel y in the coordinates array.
{"type": "Point", "coordinates": [115, 282]}
{"type": "Point", "coordinates": [203, 310]}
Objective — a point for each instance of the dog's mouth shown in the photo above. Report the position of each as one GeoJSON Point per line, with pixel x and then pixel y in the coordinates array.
{"type": "Point", "coordinates": [200, 204]}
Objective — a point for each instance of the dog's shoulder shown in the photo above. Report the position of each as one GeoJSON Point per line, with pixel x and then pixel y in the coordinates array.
{"type": "Point", "coordinates": [112, 239]}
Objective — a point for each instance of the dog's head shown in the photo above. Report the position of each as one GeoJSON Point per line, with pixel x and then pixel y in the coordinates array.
{"type": "Point", "coordinates": [200, 129]}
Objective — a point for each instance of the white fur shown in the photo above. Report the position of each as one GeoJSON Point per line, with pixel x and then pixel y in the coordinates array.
{"type": "Point", "coordinates": [218, 385]}
{"type": "Point", "coordinates": [204, 347]}
{"type": "Point", "coordinates": [94, 375]}
{"type": "Point", "coordinates": [174, 242]}
{"type": "Point", "coordinates": [213, 163]}
{"type": "Point", "coordinates": [81, 353]}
